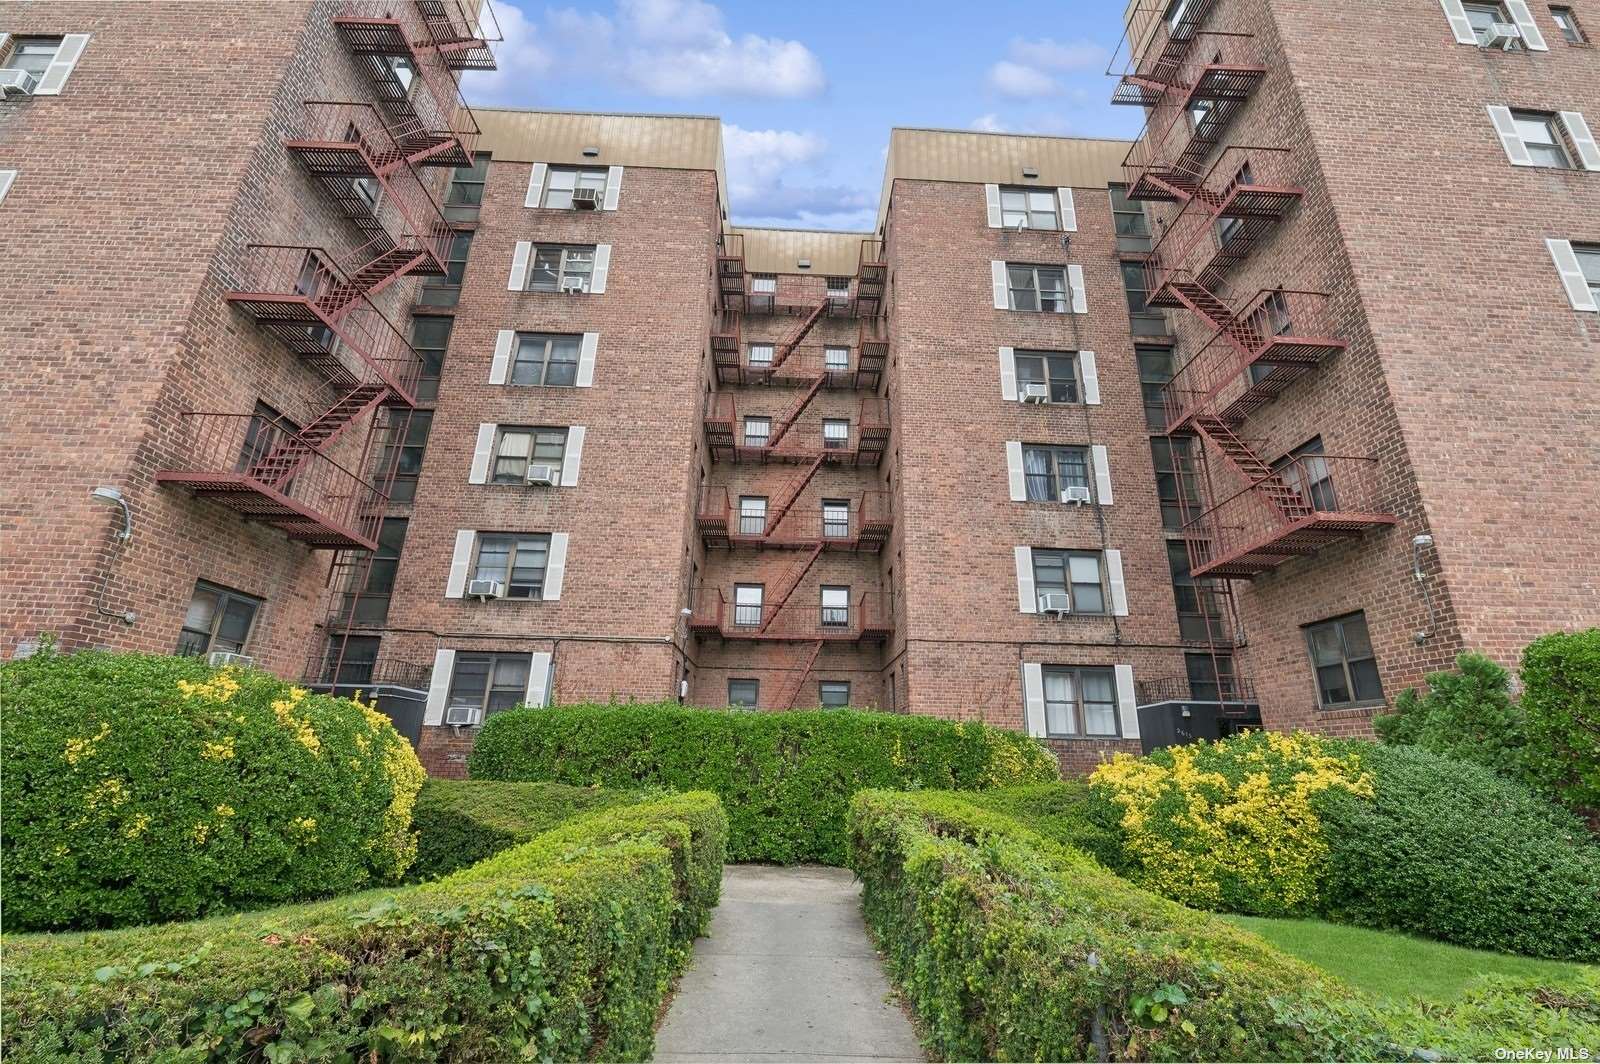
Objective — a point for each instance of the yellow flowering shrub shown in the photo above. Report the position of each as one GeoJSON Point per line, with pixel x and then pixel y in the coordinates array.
{"type": "Point", "coordinates": [140, 788]}
{"type": "Point", "coordinates": [1231, 825]}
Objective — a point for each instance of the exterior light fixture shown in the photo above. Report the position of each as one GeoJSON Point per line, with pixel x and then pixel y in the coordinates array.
{"type": "Point", "coordinates": [804, 264]}
{"type": "Point", "coordinates": [591, 152]}
{"type": "Point", "coordinates": [114, 497]}
{"type": "Point", "coordinates": [1028, 171]}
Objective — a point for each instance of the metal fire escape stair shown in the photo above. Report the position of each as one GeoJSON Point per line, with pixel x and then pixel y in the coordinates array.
{"type": "Point", "coordinates": [791, 492]}
{"type": "Point", "coordinates": [1288, 501]}
{"type": "Point", "coordinates": [286, 459]}
{"type": "Point", "coordinates": [797, 334]}
{"type": "Point", "coordinates": [371, 277]}
{"type": "Point", "coordinates": [786, 422]}
{"type": "Point", "coordinates": [800, 680]}
{"type": "Point", "coordinates": [791, 581]}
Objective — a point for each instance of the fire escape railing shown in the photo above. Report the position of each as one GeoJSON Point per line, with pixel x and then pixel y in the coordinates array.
{"type": "Point", "coordinates": [865, 524]}
{"type": "Point", "coordinates": [866, 617]}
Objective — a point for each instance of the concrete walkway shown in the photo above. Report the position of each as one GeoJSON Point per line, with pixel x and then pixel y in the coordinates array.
{"type": "Point", "coordinates": [787, 974]}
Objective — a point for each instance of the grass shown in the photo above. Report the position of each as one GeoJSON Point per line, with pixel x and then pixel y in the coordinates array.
{"type": "Point", "coordinates": [1396, 966]}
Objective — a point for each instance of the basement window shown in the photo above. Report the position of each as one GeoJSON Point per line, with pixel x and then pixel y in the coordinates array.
{"type": "Point", "coordinates": [745, 694]}
{"type": "Point", "coordinates": [217, 619]}
{"type": "Point", "coordinates": [1343, 660]}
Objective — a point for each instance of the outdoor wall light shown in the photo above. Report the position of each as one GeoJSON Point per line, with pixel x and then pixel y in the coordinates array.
{"type": "Point", "coordinates": [114, 497]}
{"type": "Point", "coordinates": [591, 152]}
{"type": "Point", "coordinates": [1028, 171]}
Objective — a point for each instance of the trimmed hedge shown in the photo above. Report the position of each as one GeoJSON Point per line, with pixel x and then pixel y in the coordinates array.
{"type": "Point", "coordinates": [785, 778]}
{"type": "Point", "coordinates": [1561, 698]}
{"type": "Point", "coordinates": [140, 788]}
{"type": "Point", "coordinates": [460, 822]}
{"type": "Point", "coordinates": [557, 949]}
{"type": "Point", "coordinates": [1068, 812]}
{"type": "Point", "coordinates": [1010, 946]}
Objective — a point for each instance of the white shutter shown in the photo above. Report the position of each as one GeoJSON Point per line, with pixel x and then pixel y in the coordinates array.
{"type": "Point", "coordinates": [500, 365]}
{"type": "Point", "coordinates": [539, 673]}
{"type": "Point", "coordinates": [1530, 29]}
{"type": "Point", "coordinates": [613, 187]}
{"type": "Point", "coordinates": [481, 455]}
{"type": "Point", "coordinates": [572, 456]}
{"type": "Point", "coordinates": [1127, 703]}
{"type": "Point", "coordinates": [602, 267]}
{"type": "Point", "coordinates": [1579, 294]}
{"type": "Point", "coordinates": [1091, 377]}
{"type": "Point", "coordinates": [444, 663]}
{"type": "Point", "coordinates": [1002, 297]}
{"type": "Point", "coordinates": [1008, 373]}
{"type": "Point", "coordinates": [1510, 139]}
{"type": "Point", "coordinates": [586, 353]}
{"type": "Point", "coordinates": [1033, 699]}
{"type": "Point", "coordinates": [1119, 588]}
{"type": "Point", "coordinates": [1582, 139]}
{"type": "Point", "coordinates": [1102, 474]}
{"type": "Point", "coordinates": [991, 193]}
{"type": "Point", "coordinates": [1080, 296]}
{"type": "Point", "coordinates": [1460, 25]}
{"type": "Point", "coordinates": [1027, 598]}
{"type": "Point", "coordinates": [1019, 484]}
{"type": "Point", "coordinates": [5, 41]}
{"type": "Point", "coordinates": [1069, 213]}
{"type": "Point", "coordinates": [7, 177]}
{"type": "Point", "coordinates": [535, 185]}
{"type": "Point", "coordinates": [460, 561]}
{"type": "Point", "coordinates": [555, 567]}
{"type": "Point", "coordinates": [519, 266]}
{"type": "Point", "coordinates": [67, 56]}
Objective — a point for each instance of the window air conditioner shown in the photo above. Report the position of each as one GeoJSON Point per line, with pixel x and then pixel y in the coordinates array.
{"type": "Point", "coordinates": [461, 716]}
{"type": "Point", "coordinates": [1035, 393]}
{"type": "Point", "coordinates": [1075, 493]}
{"type": "Point", "coordinates": [586, 199]}
{"type": "Point", "coordinates": [1502, 35]}
{"type": "Point", "coordinates": [1056, 602]}
{"type": "Point", "coordinates": [17, 83]}
{"type": "Point", "coordinates": [546, 476]}
{"type": "Point", "coordinates": [228, 657]}
{"type": "Point", "coordinates": [486, 589]}
{"type": "Point", "coordinates": [572, 286]}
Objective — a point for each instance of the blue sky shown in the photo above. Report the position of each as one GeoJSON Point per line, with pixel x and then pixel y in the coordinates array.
{"type": "Point", "coordinates": [807, 92]}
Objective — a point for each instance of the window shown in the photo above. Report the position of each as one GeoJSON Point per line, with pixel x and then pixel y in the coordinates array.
{"type": "Point", "coordinates": [1057, 372]}
{"type": "Point", "coordinates": [1050, 471]}
{"type": "Point", "coordinates": [764, 283]}
{"type": "Point", "coordinates": [747, 604]}
{"type": "Point", "coordinates": [1212, 678]}
{"type": "Point", "coordinates": [32, 54]}
{"type": "Point", "coordinates": [1342, 657]}
{"type": "Point", "coordinates": [517, 561]}
{"type": "Point", "coordinates": [466, 183]}
{"type": "Point", "coordinates": [838, 289]}
{"type": "Point", "coordinates": [833, 694]}
{"type": "Point", "coordinates": [1589, 264]}
{"type": "Point", "coordinates": [1227, 227]}
{"type": "Point", "coordinates": [266, 431]}
{"type": "Point", "coordinates": [835, 433]}
{"type": "Point", "coordinates": [546, 360]}
{"type": "Point", "coordinates": [1567, 21]}
{"type": "Point", "coordinates": [835, 518]}
{"type": "Point", "coordinates": [1306, 471]}
{"type": "Point", "coordinates": [1072, 572]}
{"type": "Point", "coordinates": [404, 71]}
{"type": "Point", "coordinates": [756, 431]}
{"type": "Point", "coordinates": [218, 619]}
{"type": "Point", "coordinates": [1175, 474]}
{"type": "Point", "coordinates": [355, 656]}
{"type": "Point", "coordinates": [563, 180]}
{"type": "Point", "coordinates": [1541, 136]}
{"type": "Point", "coordinates": [366, 601]}
{"type": "Point", "coordinates": [408, 464]}
{"type": "Point", "coordinates": [1199, 607]}
{"type": "Point", "coordinates": [1144, 320]}
{"type": "Point", "coordinates": [835, 607]}
{"type": "Point", "coordinates": [761, 354]}
{"type": "Point", "coordinates": [1029, 208]}
{"type": "Point", "coordinates": [1074, 695]}
{"type": "Point", "coordinates": [516, 448]}
{"type": "Point", "coordinates": [1038, 288]}
{"type": "Point", "coordinates": [745, 694]}
{"type": "Point", "coordinates": [752, 515]}
{"type": "Point", "coordinates": [1156, 366]}
{"type": "Point", "coordinates": [489, 683]}
{"type": "Point", "coordinates": [1484, 15]}
{"type": "Point", "coordinates": [430, 337]}
{"type": "Point", "coordinates": [446, 291]}
{"type": "Point", "coordinates": [1129, 221]}
{"type": "Point", "coordinates": [559, 269]}
{"type": "Point", "coordinates": [836, 359]}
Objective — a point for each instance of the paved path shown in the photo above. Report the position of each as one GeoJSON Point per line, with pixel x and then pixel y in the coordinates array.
{"type": "Point", "coordinates": [787, 974]}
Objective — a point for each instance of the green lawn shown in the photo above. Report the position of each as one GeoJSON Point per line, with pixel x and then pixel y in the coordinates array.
{"type": "Point", "coordinates": [1392, 965]}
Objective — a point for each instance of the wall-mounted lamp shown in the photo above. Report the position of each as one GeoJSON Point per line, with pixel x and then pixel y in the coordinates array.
{"type": "Point", "coordinates": [1030, 172]}
{"type": "Point", "coordinates": [114, 497]}
{"type": "Point", "coordinates": [590, 153]}
{"type": "Point", "coordinates": [804, 264]}
{"type": "Point", "coordinates": [1418, 543]}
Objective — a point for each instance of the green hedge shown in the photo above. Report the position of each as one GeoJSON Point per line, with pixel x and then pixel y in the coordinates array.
{"type": "Point", "coordinates": [1010, 946]}
{"type": "Point", "coordinates": [785, 778]}
{"type": "Point", "coordinates": [141, 788]}
{"type": "Point", "coordinates": [1561, 698]}
{"type": "Point", "coordinates": [1067, 812]}
{"type": "Point", "coordinates": [557, 949]}
{"type": "Point", "coordinates": [460, 822]}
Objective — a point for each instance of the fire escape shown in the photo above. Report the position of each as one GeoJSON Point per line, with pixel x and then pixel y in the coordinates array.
{"type": "Point", "coordinates": [860, 524]}
{"type": "Point", "coordinates": [373, 163]}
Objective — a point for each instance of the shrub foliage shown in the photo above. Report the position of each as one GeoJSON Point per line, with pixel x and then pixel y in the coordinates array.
{"type": "Point", "coordinates": [1561, 697]}
{"type": "Point", "coordinates": [785, 778]}
{"type": "Point", "coordinates": [560, 948]}
{"type": "Point", "coordinates": [141, 788]}
{"type": "Point", "coordinates": [1468, 714]}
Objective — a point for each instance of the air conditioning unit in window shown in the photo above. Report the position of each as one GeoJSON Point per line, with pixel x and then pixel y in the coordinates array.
{"type": "Point", "coordinates": [486, 589]}
{"type": "Point", "coordinates": [461, 716]}
{"type": "Point", "coordinates": [1035, 393]}
{"type": "Point", "coordinates": [1076, 494]}
{"type": "Point", "coordinates": [587, 199]}
{"type": "Point", "coordinates": [572, 286]}
{"type": "Point", "coordinates": [544, 476]}
{"type": "Point", "coordinates": [1503, 35]}
{"type": "Point", "coordinates": [1058, 603]}
{"type": "Point", "coordinates": [17, 83]}
{"type": "Point", "coordinates": [228, 657]}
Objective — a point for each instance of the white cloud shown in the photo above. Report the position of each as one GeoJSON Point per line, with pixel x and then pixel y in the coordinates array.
{"type": "Point", "coordinates": [520, 58]}
{"type": "Point", "coordinates": [1031, 66]}
{"type": "Point", "coordinates": [1018, 79]}
{"type": "Point", "coordinates": [779, 177]}
{"type": "Point", "coordinates": [1049, 125]}
{"type": "Point", "coordinates": [990, 123]}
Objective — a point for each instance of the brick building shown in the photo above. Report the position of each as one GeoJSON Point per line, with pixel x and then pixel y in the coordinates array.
{"type": "Point", "coordinates": [1114, 443]}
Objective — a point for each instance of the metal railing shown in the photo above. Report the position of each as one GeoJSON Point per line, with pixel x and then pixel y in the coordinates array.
{"type": "Point", "coordinates": [1210, 70]}
{"type": "Point", "coordinates": [1202, 225]}
{"type": "Point", "coordinates": [1335, 489]}
{"type": "Point", "coordinates": [866, 615]}
{"type": "Point", "coordinates": [867, 512]}
{"type": "Point", "coordinates": [431, 106]}
{"type": "Point", "coordinates": [868, 431]}
{"type": "Point", "coordinates": [804, 363]}
{"type": "Point", "coordinates": [1182, 689]}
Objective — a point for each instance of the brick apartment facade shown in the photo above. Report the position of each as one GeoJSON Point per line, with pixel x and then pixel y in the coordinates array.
{"type": "Point", "coordinates": [548, 428]}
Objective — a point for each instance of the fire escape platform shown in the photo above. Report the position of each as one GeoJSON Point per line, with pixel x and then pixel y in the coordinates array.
{"type": "Point", "coordinates": [1299, 538]}
{"type": "Point", "coordinates": [869, 631]}
{"type": "Point", "coordinates": [374, 36]}
{"type": "Point", "coordinates": [261, 503]}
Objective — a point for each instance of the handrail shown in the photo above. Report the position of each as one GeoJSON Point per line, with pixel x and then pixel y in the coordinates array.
{"type": "Point", "coordinates": [870, 508]}
{"type": "Point", "coordinates": [793, 619]}
{"type": "Point", "coordinates": [1170, 112]}
{"type": "Point", "coordinates": [1268, 169]}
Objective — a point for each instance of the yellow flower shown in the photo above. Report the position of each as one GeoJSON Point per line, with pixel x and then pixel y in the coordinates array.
{"type": "Point", "coordinates": [78, 749]}
{"type": "Point", "coordinates": [136, 826]}
{"type": "Point", "coordinates": [108, 791]}
{"type": "Point", "coordinates": [221, 750]}
{"type": "Point", "coordinates": [224, 810]}
{"type": "Point", "coordinates": [201, 831]}
{"type": "Point", "coordinates": [220, 688]}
